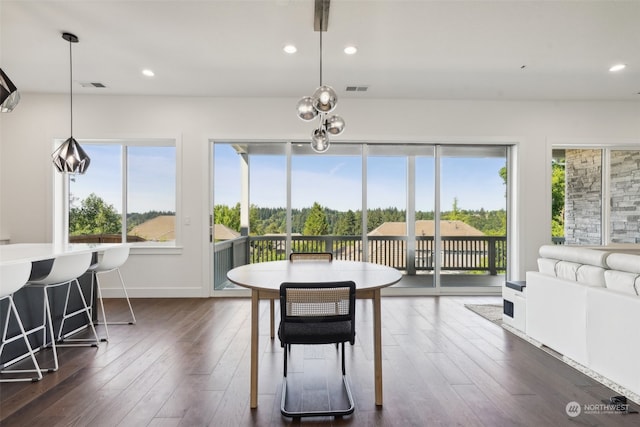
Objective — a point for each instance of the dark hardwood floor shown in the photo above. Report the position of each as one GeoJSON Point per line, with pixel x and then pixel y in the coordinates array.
{"type": "Point", "coordinates": [186, 362]}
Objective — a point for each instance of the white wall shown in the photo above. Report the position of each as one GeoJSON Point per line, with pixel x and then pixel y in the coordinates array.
{"type": "Point", "coordinates": [27, 134]}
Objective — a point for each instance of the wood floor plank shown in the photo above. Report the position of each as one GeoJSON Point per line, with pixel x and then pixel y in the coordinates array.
{"type": "Point", "coordinates": [186, 363]}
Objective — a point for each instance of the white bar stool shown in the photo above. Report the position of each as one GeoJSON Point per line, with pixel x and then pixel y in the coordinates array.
{"type": "Point", "coordinates": [111, 260]}
{"type": "Point", "coordinates": [66, 269]}
{"type": "Point", "coordinates": [12, 278]}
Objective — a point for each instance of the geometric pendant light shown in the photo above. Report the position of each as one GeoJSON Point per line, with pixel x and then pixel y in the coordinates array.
{"type": "Point", "coordinates": [324, 99]}
{"type": "Point", "coordinates": [70, 157]}
{"type": "Point", "coordinates": [9, 95]}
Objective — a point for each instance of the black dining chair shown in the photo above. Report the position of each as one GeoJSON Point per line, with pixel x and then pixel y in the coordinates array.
{"type": "Point", "coordinates": [295, 257]}
{"type": "Point", "coordinates": [317, 313]}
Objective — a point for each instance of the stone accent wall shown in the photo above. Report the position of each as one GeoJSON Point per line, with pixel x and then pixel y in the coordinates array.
{"type": "Point", "coordinates": [625, 196]}
{"type": "Point", "coordinates": [583, 195]}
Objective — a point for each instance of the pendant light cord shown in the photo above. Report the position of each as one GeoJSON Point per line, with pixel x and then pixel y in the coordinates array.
{"type": "Point", "coordinates": [71, 86]}
{"type": "Point", "coordinates": [321, 115]}
{"type": "Point", "coordinates": [321, 26]}
{"type": "Point", "coordinates": [320, 56]}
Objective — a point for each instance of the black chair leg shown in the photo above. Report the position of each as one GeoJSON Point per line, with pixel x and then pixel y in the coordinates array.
{"type": "Point", "coordinates": [285, 362]}
{"type": "Point", "coordinates": [328, 413]}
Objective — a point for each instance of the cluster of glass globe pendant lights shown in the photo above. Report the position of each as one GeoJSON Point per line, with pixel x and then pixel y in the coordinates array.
{"type": "Point", "coordinates": [319, 105]}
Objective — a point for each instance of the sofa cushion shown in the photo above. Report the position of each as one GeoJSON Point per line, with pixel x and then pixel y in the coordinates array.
{"type": "Point", "coordinates": [547, 266]}
{"type": "Point", "coordinates": [591, 275]}
{"type": "Point", "coordinates": [624, 262]}
{"type": "Point", "coordinates": [567, 270]}
{"type": "Point", "coordinates": [575, 254]}
{"type": "Point", "coordinates": [622, 281]}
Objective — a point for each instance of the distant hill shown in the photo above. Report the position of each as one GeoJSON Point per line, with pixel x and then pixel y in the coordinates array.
{"type": "Point", "coordinates": [159, 229]}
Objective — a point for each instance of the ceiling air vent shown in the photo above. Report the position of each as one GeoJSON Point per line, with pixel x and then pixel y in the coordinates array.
{"type": "Point", "coordinates": [92, 84]}
{"type": "Point", "coordinates": [357, 88]}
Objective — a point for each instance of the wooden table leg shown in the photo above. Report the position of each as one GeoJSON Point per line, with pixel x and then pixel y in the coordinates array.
{"type": "Point", "coordinates": [377, 346]}
{"type": "Point", "coordinates": [255, 314]}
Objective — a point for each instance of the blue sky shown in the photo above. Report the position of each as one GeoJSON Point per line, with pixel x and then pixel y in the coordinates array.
{"type": "Point", "coordinates": [331, 180]}
{"type": "Point", "coordinates": [151, 180]}
{"type": "Point", "coordinates": [334, 181]}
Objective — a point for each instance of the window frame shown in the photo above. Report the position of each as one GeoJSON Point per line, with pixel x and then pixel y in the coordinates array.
{"type": "Point", "coordinates": [605, 196]}
{"type": "Point", "coordinates": [61, 189]}
{"type": "Point", "coordinates": [471, 146]}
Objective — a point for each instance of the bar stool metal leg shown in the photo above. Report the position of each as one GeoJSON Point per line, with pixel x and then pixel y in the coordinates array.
{"type": "Point", "coordinates": [76, 342]}
{"type": "Point", "coordinates": [12, 278]}
{"type": "Point", "coordinates": [12, 309]}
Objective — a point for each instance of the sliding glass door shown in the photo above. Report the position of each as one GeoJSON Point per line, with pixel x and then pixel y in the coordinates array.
{"type": "Point", "coordinates": [387, 205]}
{"type": "Point", "coordinates": [473, 215]}
{"type": "Point", "coordinates": [424, 192]}
{"type": "Point", "coordinates": [435, 212]}
{"type": "Point", "coordinates": [326, 200]}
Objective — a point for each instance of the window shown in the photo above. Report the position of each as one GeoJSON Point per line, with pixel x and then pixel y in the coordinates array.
{"type": "Point", "coordinates": [128, 194]}
{"type": "Point", "coordinates": [624, 193]}
{"type": "Point", "coordinates": [429, 210]}
{"type": "Point", "coordinates": [387, 205]}
{"type": "Point", "coordinates": [595, 196]}
{"type": "Point", "coordinates": [326, 198]}
{"type": "Point", "coordinates": [473, 214]}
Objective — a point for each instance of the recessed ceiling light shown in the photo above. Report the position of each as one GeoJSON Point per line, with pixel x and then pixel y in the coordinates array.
{"type": "Point", "coordinates": [148, 73]}
{"type": "Point", "coordinates": [618, 67]}
{"type": "Point", "coordinates": [290, 49]}
{"type": "Point", "coordinates": [350, 50]}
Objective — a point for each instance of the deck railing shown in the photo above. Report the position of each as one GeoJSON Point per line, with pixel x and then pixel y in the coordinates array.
{"type": "Point", "coordinates": [465, 253]}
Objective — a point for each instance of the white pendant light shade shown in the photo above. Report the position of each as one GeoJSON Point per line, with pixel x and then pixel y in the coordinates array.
{"type": "Point", "coordinates": [9, 95]}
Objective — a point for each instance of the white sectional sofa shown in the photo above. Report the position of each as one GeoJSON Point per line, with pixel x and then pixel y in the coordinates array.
{"type": "Point", "coordinates": [584, 304]}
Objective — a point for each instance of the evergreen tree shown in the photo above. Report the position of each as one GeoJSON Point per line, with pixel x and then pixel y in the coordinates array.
{"type": "Point", "coordinates": [256, 224]}
{"type": "Point", "coordinates": [374, 219]}
{"type": "Point", "coordinates": [316, 223]}
{"type": "Point", "coordinates": [346, 224]}
{"type": "Point", "coordinates": [357, 230]}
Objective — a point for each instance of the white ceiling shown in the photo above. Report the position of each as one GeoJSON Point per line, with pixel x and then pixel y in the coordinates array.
{"type": "Point", "coordinates": [407, 49]}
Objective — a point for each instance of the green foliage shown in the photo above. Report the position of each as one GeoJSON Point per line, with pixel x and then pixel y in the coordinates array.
{"type": "Point", "coordinates": [377, 217]}
{"type": "Point", "coordinates": [503, 174]}
{"type": "Point", "coordinates": [491, 223]}
{"type": "Point", "coordinates": [349, 223]}
{"type": "Point", "coordinates": [454, 214]}
{"type": "Point", "coordinates": [316, 223]}
{"type": "Point", "coordinates": [420, 215]}
{"type": "Point", "coordinates": [94, 216]}
{"type": "Point", "coordinates": [225, 215]}
{"type": "Point", "coordinates": [346, 224]}
{"type": "Point", "coordinates": [557, 200]}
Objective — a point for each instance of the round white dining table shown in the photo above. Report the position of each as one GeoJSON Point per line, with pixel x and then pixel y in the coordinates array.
{"type": "Point", "coordinates": [264, 280]}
